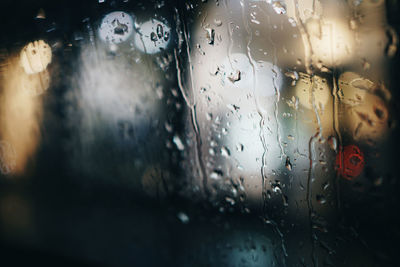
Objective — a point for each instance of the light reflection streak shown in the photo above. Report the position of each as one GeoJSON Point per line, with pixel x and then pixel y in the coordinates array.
{"type": "Point", "coordinates": [110, 96]}
{"type": "Point", "coordinates": [224, 78]}
{"type": "Point", "coordinates": [228, 115]}
{"type": "Point", "coordinates": [20, 113]}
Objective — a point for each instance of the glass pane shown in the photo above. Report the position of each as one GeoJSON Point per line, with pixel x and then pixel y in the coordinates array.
{"type": "Point", "coordinates": [199, 133]}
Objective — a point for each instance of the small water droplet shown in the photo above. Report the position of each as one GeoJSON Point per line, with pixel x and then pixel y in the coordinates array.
{"type": "Point", "coordinates": [325, 185]}
{"type": "Point", "coordinates": [353, 24]}
{"type": "Point", "coordinates": [235, 76]}
{"type": "Point", "coordinates": [288, 164]}
{"type": "Point", "coordinates": [292, 74]}
{"type": "Point", "coordinates": [210, 35]}
{"type": "Point", "coordinates": [169, 127]}
{"type": "Point", "coordinates": [166, 35]}
{"type": "Point", "coordinates": [233, 107]}
{"type": "Point", "coordinates": [285, 200]}
{"type": "Point", "coordinates": [230, 200]}
{"type": "Point", "coordinates": [153, 37]}
{"type": "Point", "coordinates": [216, 174]}
{"type": "Point", "coordinates": [276, 187]}
{"type": "Point", "coordinates": [278, 8]}
{"type": "Point", "coordinates": [391, 50]}
{"type": "Point", "coordinates": [211, 152]}
{"type": "Point", "coordinates": [183, 217]}
{"type": "Point", "coordinates": [365, 64]}
{"type": "Point", "coordinates": [332, 143]}
{"type": "Point", "coordinates": [239, 147]}
{"type": "Point", "coordinates": [41, 14]}
{"type": "Point", "coordinates": [160, 31]}
{"type": "Point", "coordinates": [225, 152]}
{"type": "Point", "coordinates": [178, 142]}
{"type": "Point", "coordinates": [292, 22]}
{"type": "Point", "coordinates": [321, 199]}
{"type": "Point", "coordinates": [217, 22]}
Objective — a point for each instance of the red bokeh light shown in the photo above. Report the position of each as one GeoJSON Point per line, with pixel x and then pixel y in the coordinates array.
{"type": "Point", "coordinates": [350, 162]}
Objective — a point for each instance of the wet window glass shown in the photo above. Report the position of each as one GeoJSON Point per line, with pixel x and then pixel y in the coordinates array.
{"type": "Point", "coordinates": [199, 132]}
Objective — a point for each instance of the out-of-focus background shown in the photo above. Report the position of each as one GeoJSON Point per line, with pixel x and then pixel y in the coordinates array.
{"type": "Point", "coordinates": [199, 133]}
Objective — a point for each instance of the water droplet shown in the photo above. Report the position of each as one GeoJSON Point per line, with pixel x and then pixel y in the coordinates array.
{"type": "Point", "coordinates": [293, 75]}
{"type": "Point", "coordinates": [288, 164]}
{"type": "Point", "coordinates": [41, 14]}
{"type": "Point", "coordinates": [225, 152]}
{"type": "Point", "coordinates": [216, 174]}
{"type": "Point", "coordinates": [292, 22]}
{"type": "Point", "coordinates": [166, 36]}
{"type": "Point", "coordinates": [353, 24]}
{"type": "Point", "coordinates": [276, 187]}
{"type": "Point", "coordinates": [235, 76]}
{"type": "Point", "coordinates": [321, 199]}
{"type": "Point", "coordinates": [285, 200]}
{"type": "Point", "coordinates": [160, 31]}
{"type": "Point", "coordinates": [183, 217]}
{"type": "Point", "coordinates": [178, 142]}
{"type": "Point", "coordinates": [210, 35]}
{"type": "Point", "coordinates": [211, 151]}
{"type": "Point", "coordinates": [153, 37]}
{"type": "Point", "coordinates": [325, 185]}
{"type": "Point", "coordinates": [278, 8]}
{"type": "Point", "coordinates": [365, 64]}
{"type": "Point", "coordinates": [233, 107]}
{"type": "Point", "coordinates": [391, 48]}
{"type": "Point", "coordinates": [332, 143]}
{"type": "Point", "coordinates": [356, 2]}
{"type": "Point", "coordinates": [169, 127]}
{"type": "Point", "coordinates": [217, 22]}
{"type": "Point", "coordinates": [229, 200]}
{"type": "Point", "coordinates": [239, 147]}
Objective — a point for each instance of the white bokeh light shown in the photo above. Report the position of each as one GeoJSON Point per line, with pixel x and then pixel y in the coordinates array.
{"type": "Point", "coordinates": [116, 27]}
{"type": "Point", "coordinates": [152, 37]}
